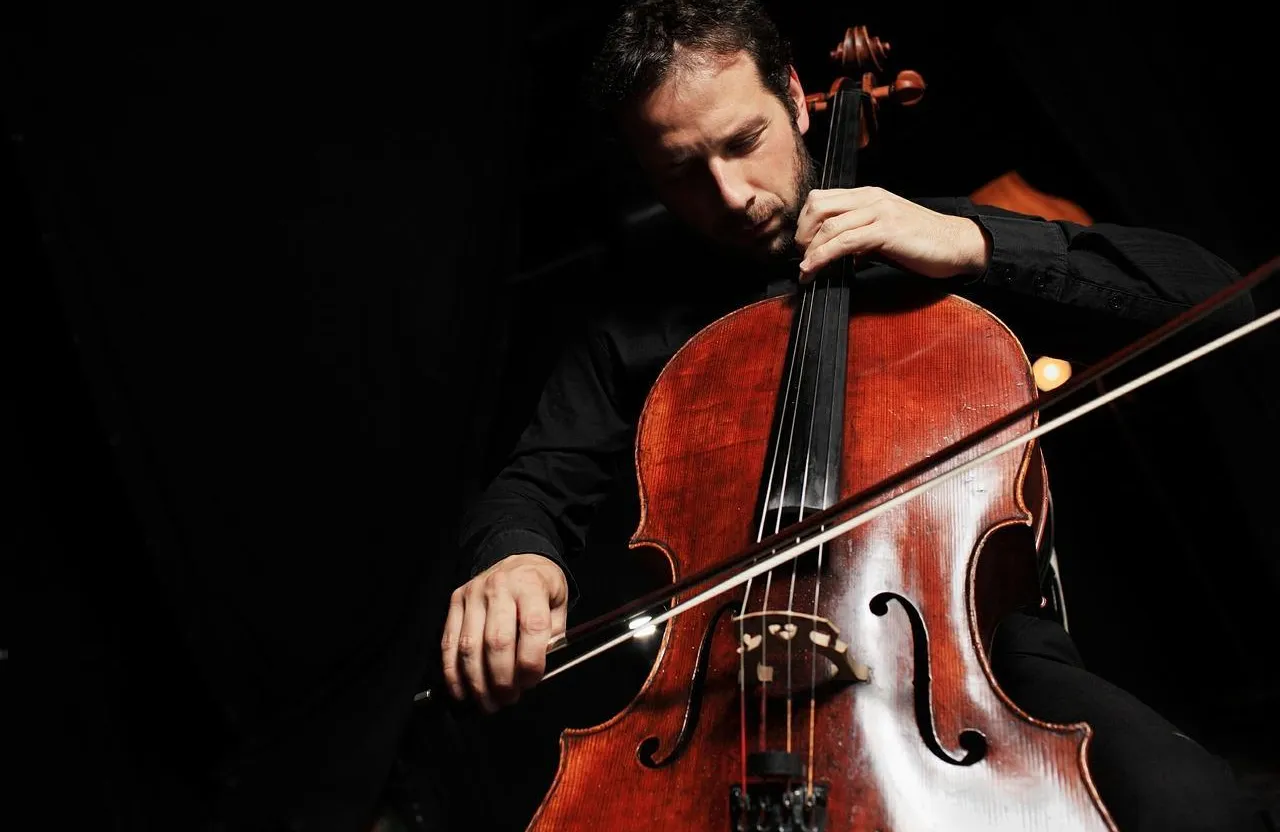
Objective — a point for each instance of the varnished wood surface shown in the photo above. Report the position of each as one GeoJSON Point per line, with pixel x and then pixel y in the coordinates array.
{"type": "Point", "coordinates": [918, 379]}
{"type": "Point", "coordinates": [1011, 191]}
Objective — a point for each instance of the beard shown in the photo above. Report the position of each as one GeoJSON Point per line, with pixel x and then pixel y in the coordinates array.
{"type": "Point", "coordinates": [806, 179]}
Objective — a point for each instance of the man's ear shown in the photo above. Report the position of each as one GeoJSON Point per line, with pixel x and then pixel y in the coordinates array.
{"type": "Point", "coordinates": [796, 92]}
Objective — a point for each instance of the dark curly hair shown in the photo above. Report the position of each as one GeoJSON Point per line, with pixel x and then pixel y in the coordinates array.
{"type": "Point", "coordinates": [639, 48]}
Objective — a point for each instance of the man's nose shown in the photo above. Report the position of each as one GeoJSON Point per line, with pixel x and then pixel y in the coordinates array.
{"type": "Point", "coordinates": [735, 193]}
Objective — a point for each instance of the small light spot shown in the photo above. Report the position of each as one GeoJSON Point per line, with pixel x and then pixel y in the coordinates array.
{"type": "Point", "coordinates": [1050, 372]}
{"type": "Point", "coordinates": [638, 624]}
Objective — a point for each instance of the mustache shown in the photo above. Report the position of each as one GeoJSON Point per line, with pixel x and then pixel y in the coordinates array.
{"type": "Point", "coordinates": [746, 220]}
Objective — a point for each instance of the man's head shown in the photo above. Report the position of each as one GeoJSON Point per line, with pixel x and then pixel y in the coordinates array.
{"type": "Point", "coordinates": [705, 95]}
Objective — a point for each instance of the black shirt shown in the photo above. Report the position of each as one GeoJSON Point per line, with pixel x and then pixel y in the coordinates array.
{"type": "Point", "coordinates": [1071, 291]}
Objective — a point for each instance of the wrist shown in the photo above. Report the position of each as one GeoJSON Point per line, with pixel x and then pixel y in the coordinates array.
{"type": "Point", "coordinates": [540, 562]}
{"type": "Point", "coordinates": [975, 247]}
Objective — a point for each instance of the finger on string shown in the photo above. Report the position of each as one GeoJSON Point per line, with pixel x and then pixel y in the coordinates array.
{"type": "Point", "coordinates": [857, 241]}
{"type": "Point", "coordinates": [837, 224]}
{"type": "Point", "coordinates": [822, 204]}
{"type": "Point", "coordinates": [836, 200]}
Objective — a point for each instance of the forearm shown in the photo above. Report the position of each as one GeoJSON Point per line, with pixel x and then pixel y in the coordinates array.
{"type": "Point", "coordinates": [562, 468]}
{"type": "Point", "coordinates": [1090, 290]}
{"type": "Point", "coordinates": [504, 522]}
{"type": "Point", "coordinates": [1140, 275]}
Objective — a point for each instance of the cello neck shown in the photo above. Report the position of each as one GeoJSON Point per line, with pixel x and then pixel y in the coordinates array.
{"type": "Point", "coordinates": [840, 165]}
{"type": "Point", "coordinates": [803, 466]}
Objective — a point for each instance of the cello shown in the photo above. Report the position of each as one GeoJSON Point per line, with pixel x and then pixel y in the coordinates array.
{"type": "Point", "coordinates": [849, 689]}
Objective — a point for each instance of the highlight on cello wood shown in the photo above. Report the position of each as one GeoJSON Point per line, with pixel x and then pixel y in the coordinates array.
{"type": "Point", "coordinates": [1011, 191]}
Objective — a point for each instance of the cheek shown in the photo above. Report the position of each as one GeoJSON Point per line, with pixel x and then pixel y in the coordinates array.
{"type": "Point", "coordinates": [782, 173]}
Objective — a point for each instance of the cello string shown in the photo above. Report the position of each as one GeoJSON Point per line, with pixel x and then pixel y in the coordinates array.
{"type": "Point", "coordinates": [828, 487]}
{"type": "Point", "coordinates": [835, 153]}
{"type": "Point", "coordinates": [804, 488]}
{"type": "Point", "coordinates": [764, 511]}
{"type": "Point", "coordinates": [803, 545]}
{"type": "Point", "coordinates": [806, 326]}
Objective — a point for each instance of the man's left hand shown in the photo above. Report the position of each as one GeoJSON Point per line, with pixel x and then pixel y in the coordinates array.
{"type": "Point", "coordinates": [871, 221]}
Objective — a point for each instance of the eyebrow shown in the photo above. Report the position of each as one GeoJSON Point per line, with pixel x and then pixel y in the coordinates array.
{"type": "Point", "coordinates": [679, 155]}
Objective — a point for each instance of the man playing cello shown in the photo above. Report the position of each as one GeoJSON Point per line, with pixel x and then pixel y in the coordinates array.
{"type": "Point", "coordinates": [705, 97]}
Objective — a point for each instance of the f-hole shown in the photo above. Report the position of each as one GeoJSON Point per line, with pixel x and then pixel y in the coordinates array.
{"type": "Point", "coordinates": [649, 745]}
{"type": "Point", "coordinates": [972, 742]}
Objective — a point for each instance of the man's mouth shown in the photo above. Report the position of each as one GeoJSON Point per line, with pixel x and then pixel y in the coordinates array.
{"type": "Point", "coordinates": [760, 229]}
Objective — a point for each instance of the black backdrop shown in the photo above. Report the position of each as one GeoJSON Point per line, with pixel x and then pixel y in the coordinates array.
{"type": "Point", "coordinates": [283, 285]}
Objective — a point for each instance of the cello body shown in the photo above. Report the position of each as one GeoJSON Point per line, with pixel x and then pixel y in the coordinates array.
{"type": "Point", "coordinates": [928, 740]}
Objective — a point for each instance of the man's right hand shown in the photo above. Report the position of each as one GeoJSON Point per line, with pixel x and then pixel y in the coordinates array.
{"type": "Point", "coordinates": [499, 623]}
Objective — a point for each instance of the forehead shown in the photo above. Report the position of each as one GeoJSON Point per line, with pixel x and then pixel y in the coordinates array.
{"type": "Point", "coordinates": [704, 97]}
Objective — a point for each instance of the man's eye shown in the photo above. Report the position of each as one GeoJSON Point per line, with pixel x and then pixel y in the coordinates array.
{"type": "Point", "coordinates": [745, 144]}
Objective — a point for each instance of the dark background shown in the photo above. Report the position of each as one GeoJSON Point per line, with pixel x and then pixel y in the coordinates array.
{"type": "Point", "coordinates": [283, 282]}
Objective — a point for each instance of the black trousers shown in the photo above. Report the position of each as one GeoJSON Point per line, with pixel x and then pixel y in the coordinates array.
{"type": "Point", "coordinates": [1149, 774]}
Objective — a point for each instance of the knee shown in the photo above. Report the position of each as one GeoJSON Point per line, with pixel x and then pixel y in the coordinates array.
{"type": "Point", "coordinates": [1186, 789]}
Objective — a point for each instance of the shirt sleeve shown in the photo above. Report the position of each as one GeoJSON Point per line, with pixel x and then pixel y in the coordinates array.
{"type": "Point", "coordinates": [1095, 287]}
{"type": "Point", "coordinates": [562, 468]}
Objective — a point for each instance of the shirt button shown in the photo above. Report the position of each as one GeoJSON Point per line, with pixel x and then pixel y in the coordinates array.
{"type": "Point", "coordinates": [1116, 302]}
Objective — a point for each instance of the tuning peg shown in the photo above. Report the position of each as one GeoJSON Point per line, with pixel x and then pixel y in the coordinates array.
{"type": "Point", "coordinates": [907, 89]}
